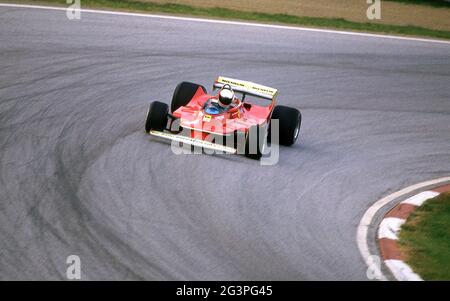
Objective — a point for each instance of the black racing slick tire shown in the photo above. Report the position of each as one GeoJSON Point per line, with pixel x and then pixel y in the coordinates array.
{"type": "Point", "coordinates": [183, 94]}
{"type": "Point", "coordinates": [290, 120]}
{"type": "Point", "coordinates": [157, 117]}
{"type": "Point", "coordinates": [254, 142]}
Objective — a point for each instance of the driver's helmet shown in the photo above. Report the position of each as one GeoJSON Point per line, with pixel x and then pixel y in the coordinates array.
{"type": "Point", "coordinates": [226, 96]}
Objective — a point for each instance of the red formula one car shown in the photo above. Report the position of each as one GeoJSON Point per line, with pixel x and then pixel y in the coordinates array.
{"type": "Point", "coordinates": [224, 121]}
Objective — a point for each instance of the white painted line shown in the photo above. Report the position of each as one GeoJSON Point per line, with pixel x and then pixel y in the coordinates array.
{"type": "Point", "coordinates": [366, 220]}
{"type": "Point", "coordinates": [190, 19]}
{"type": "Point", "coordinates": [401, 270]}
{"type": "Point", "coordinates": [420, 198]}
{"type": "Point", "coordinates": [389, 227]}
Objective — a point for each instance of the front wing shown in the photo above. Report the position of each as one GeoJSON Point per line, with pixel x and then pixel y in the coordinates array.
{"type": "Point", "coordinates": [194, 142]}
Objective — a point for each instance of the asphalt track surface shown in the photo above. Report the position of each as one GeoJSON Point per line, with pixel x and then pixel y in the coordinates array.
{"type": "Point", "coordinates": [78, 175]}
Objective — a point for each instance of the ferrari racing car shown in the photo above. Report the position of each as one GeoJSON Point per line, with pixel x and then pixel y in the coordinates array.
{"type": "Point", "coordinates": [232, 119]}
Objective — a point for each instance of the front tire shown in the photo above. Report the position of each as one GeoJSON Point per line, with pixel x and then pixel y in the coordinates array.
{"type": "Point", "coordinates": [255, 142]}
{"type": "Point", "coordinates": [290, 120]}
{"type": "Point", "coordinates": [157, 117]}
{"type": "Point", "coordinates": [183, 94]}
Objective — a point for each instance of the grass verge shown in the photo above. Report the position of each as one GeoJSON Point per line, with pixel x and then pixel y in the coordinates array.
{"type": "Point", "coordinates": [331, 23]}
{"type": "Point", "coordinates": [433, 3]}
{"type": "Point", "coordinates": [425, 239]}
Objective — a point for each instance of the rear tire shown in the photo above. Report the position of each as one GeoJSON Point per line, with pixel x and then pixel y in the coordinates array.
{"type": "Point", "coordinates": [290, 120]}
{"type": "Point", "coordinates": [183, 94]}
{"type": "Point", "coordinates": [157, 117]}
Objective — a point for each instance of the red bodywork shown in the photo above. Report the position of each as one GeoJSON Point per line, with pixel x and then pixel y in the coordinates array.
{"type": "Point", "coordinates": [240, 118]}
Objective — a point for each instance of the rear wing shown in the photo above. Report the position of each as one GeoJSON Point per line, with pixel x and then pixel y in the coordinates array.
{"type": "Point", "coordinates": [246, 87]}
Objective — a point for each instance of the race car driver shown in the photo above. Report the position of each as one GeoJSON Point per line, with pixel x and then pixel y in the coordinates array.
{"type": "Point", "coordinates": [225, 100]}
{"type": "Point", "coordinates": [226, 97]}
